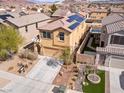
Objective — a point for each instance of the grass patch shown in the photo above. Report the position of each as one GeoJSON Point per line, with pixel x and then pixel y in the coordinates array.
{"type": "Point", "coordinates": [96, 88]}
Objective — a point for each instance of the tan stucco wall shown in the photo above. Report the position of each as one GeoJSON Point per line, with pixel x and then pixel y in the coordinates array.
{"type": "Point", "coordinates": [30, 34]}
{"type": "Point", "coordinates": [50, 46]}
{"type": "Point", "coordinates": [57, 41]}
{"type": "Point", "coordinates": [51, 52]}
{"type": "Point", "coordinates": [76, 35]}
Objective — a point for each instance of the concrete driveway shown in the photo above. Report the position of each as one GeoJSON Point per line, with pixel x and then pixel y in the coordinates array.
{"type": "Point", "coordinates": [44, 73]}
{"type": "Point", "coordinates": [38, 80]}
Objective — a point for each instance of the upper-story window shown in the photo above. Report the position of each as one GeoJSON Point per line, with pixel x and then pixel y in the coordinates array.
{"type": "Point", "coordinates": [46, 34]}
{"type": "Point", "coordinates": [117, 40]}
{"type": "Point", "coordinates": [61, 36]}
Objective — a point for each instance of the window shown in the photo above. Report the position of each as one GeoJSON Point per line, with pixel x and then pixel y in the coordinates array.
{"type": "Point", "coordinates": [46, 34]}
{"type": "Point", "coordinates": [26, 28]}
{"type": "Point", "coordinates": [61, 36]}
{"type": "Point", "coordinates": [117, 40]}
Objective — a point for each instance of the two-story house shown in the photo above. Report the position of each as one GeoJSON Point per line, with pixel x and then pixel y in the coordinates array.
{"type": "Point", "coordinates": [96, 14]}
{"type": "Point", "coordinates": [62, 33]}
{"type": "Point", "coordinates": [112, 38]}
{"type": "Point", "coordinates": [27, 26]}
{"type": "Point", "coordinates": [111, 53]}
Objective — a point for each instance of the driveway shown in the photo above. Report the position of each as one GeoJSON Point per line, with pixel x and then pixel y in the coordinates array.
{"type": "Point", "coordinates": [44, 73]}
{"type": "Point", "coordinates": [38, 80]}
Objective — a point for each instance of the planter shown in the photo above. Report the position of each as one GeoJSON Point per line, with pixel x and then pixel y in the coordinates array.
{"type": "Point", "coordinates": [94, 78]}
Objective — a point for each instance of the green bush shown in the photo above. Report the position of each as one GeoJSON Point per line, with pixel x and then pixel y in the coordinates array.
{"type": "Point", "coordinates": [28, 54]}
{"type": "Point", "coordinates": [10, 40]}
{"type": "Point", "coordinates": [3, 55]}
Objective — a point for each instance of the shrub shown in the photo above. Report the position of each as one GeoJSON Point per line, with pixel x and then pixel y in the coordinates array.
{"type": "Point", "coordinates": [22, 54]}
{"type": "Point", "coordinates": [28, 54]}
{"type": "Point", "coordinates": [3, 55]}
{"type": "Point", "coordinates": [32, 56]}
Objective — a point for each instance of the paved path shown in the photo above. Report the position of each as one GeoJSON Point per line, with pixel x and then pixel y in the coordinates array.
{"type": "Point", "coordinates": [37, 81]}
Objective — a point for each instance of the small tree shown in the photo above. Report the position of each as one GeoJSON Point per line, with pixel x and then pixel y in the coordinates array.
{"type": "Point", "coordinates": [66, 57]}
{"type": "Point", "coordinates": [10, 40]}
{"type": "Point", "coordinates": [53, 8]}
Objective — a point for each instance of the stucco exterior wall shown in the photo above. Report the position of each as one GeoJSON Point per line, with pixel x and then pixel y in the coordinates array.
{"type": "Point", "coordinates": [71, 40]}
{"type": "Point", "coordinates": [76, 35]}
{"type": "Point", "coordinates": [29, 34]}
{"type": "Point", "coordinates": [57, 41]}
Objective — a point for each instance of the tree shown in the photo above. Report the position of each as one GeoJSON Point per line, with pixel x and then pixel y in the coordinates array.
{"type": "Point", "coordinates": [53, 8]}
{"type": "Point", "coordinates": [10, 39]}
{"type": "Point", "coordinates": [66, 57]}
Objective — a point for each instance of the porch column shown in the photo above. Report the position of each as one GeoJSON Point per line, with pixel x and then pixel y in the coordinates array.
{"type": "Point", "coordinates": [97, 59]}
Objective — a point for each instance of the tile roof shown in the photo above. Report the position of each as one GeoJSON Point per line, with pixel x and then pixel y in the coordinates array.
{"type": "Point", "coordinates": [28, 19]}
{"type": "Point", "coordinates": [61, 23]}
{"type": "Point", "coordinates": [111, 19]}
{"type": "Point", "coordinates": [117, 10]}
{"type": "Point", "coordinates": [115, 27]}
{"type": "Point", "coordinates": [61, 12]}
{"type": "Point", "coordinates": [53, 25]}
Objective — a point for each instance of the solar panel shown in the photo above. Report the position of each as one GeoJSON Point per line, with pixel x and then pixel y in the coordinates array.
{"type": "Point", "coordinates": [79, 19]}
{"type": "Point", "coordinates": [69, 20]}
{"type": "Point", "coordinates": [73, 26]}
{"type": "Point", "coordinates": [75, 17]}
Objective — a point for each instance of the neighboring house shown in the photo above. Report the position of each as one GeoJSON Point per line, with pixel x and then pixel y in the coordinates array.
{"type": "Point", "coordinates": [27, 26]}
{"type": "Point", "coordinates": [17, 14]}
{"type": "Point", "coordinates": [60, 13]}
{"type": "Point", "coordinates": [111, 52]}
{"type": "Point", "coordinates": [112, 38]}
{"type": "Point", "coordinates": [5, 16]}
{"type": "Point", "coordinates": [117, 11]}
{"type": "Point", "coordinates": [61, 34]}
{"type": "Point", "coordinates": [97, 14]}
